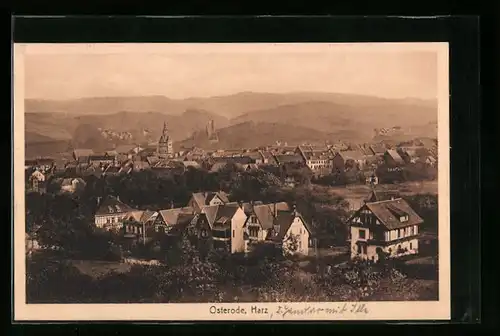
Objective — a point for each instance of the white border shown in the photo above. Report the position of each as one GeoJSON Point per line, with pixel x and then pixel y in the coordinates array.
{"type": "Point", "coordinates": [437, 310]}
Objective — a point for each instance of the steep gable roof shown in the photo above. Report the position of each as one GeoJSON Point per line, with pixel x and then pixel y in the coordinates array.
{"type": "Point", "coordinates": [351, 155]}
{"type": "Point", "coordinates": [388, 211]}
{"type": "Point", "coordinates": [395, 155]}
{"type": "Point", "coordinates": [283, 222]}
{"type": "Point", "coordinates": [171, 216]}
{"type": "Point", "coordinates": [111, 205]}
{"type": "Point", "coordinates": [220, 214]}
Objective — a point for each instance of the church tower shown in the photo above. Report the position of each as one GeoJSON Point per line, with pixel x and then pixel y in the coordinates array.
{"type": "Point", "coordinates": [165, 148]}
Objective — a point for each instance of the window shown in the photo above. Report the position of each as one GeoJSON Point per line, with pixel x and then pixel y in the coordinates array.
{"type": "Point", "coordinates": [364, 249]}
{"type": "Point", "coordinates": [411, 246]}
{"type": "Point", "coordinates": [362, 234]}
{"type": "Point", "coordinates": [233, 233]}
{"type": "Point", "coordinates": [403, 218]}
{"type": "Point", "coordinates": [204, 233]}
{"type": "Point", "coordinates": [359, 249]}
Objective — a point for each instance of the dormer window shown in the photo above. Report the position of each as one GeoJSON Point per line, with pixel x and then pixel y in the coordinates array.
{"type": "Point", "coordinates": [403, 219]}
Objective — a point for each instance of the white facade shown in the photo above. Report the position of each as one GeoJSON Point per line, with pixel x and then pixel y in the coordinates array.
{"type": "Point", "coordinates": [237, 230]}
{"type": "Point", "coordinates": [299, 231]}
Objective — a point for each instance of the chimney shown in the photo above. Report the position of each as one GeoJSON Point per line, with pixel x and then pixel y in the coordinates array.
{"type": "Point", "coordinates": [275, 210]}
{"type": "Point", "coordinates": [171, 204]}
{"type": "Point", "coordinates": [118, 198]}
{"type": "Point", "coordinates": [294, 211]}
{"type": "Point", "coordinates": [99, 200]}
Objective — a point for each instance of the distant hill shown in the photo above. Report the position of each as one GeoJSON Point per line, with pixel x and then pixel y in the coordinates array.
{"type": "Point", "coordinates": [230, 106]}
{"type": "Point", "coordinates": [332, 117]}
{"type": "Point", "coordinates": [254, 134]}
{"type": "Point", "coordinates": [83, 129]}
{"type": "Point", "coordinates": [245, 119]}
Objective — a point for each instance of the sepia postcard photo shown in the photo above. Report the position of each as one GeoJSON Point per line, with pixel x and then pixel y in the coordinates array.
{"type": "Point", "coordinates": [239, 181]}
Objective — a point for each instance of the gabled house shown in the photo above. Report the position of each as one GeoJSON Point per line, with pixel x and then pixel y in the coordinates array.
{"type": "Point", "coordinates": [387, 228]}
{"type": "Point", "coordinates": [343, 159]}
{"type": "Point", "coordinates": [260, 219]}
{"type": "Point", "coordinates": [392, 158]}
{"type": "Point", "coordinates": [69, 185]}
{"type": "Point", "coordinates": [138, 224]}
{"type": "Point", "coordinates": [282, 159]}
{"type": "Point", "coordinates": [223, 225]}
{"type": "Point", "coordinates": [377, 149]}
{"type": "Point", "coordinates": [173, 222]}
{"type": "Point", "coordinates": [267, 157]}
{"type": "Point", "coordinates": [111, 213]}
{"type": "Point", "coordinates": [291, 232]}
{"type": "Point", "coordinates": [99, 160]}
{"type": "Point", "coordinates": [201, 200]}
{"type": "Point", "coordinates": [36, 181]}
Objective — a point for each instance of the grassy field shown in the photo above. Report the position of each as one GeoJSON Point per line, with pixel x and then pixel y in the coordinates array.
{"type": "Point", "coordinates": [356, 194]}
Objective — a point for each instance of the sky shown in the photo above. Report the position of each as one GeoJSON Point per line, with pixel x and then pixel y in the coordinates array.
{"type": "Point", "coordinates": [54, 72]}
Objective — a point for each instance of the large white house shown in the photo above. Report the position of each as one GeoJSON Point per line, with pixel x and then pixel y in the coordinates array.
{"type": "Point", "coordinates": [384, 227]}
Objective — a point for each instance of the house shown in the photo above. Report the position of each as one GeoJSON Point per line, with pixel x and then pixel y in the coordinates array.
{"type": "Point", "coordinates": [99, 160]}
{"type": "Point", "coordinates": [201, 200]}
{"type": "Point", "coordinates": [378, 149]}
{"type": "Point", "coordinates": [392, 158]}
{"type": "Point", "coordinates": [223, 226]}
{"type": "Point", "coordinates": [267, 157]}
{"type": "Point", "coordinates": [140, 165]}
{"type": "Point", "coordinates": [316, 158]}
{"type": "Point", "coordinates": [192, 164]}
{"type": "Point", "coordinates": [69, 185]}
{"type": "Point", "coordinates": [173, 222]}
{"type": "Point", "coordinates": [343, 159]}
{"type": "Point", "coordinates": [371, 177]}
{"type": "Point", "coordinates": [384, 228]}
{"type": "Point", "coordinates": [256, 157]}
{"type": "Point", "coordinates": [37, 181]}
{"type": "Point", "coordinates": [111, 213]}
{"type": "Point", "coordinates": [138, 224]}
{"type": "Point", "coordinates": [431, 161]}
{"type": "Point", "coordinates": [282, 159]}
{"type": "Point", "coordinates": [112, 170]}
{"type": "Point", "coordinates": [291, 232]}
{"type": "Point", "coordinates": [260, 219]}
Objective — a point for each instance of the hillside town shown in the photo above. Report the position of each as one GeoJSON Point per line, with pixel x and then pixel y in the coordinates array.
{"type": "Point", "coordinates": [241, 213]}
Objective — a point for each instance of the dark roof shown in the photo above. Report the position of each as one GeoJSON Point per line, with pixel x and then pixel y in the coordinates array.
{"type": "Point", "coordinates": [378, 149]}
{"type": "Point", "coordinates": [233, 159]}
{"type": "Point", "coordinates": [171, 216]}
{"type": "Point", "coordinates": [352, 155]}
{"type": "Point", "coordinates": [111, 205]}
{"type": "Point", "coordinates": [395, 155]}
{"type": "Point", "coordinates": [203, 199]}
{"type": "Point", "coordinates": [220, 214]}
{"type": "Point", "coordinates": [388, 211]}
{"type": "Point", "coordinates": [100, 158]}
{"type": "Point", "coordinates": [283, 222]}
{"type": "Point", "coordinates": [287, 158]}
{"type": "Point", "coordinates": [377, 196]}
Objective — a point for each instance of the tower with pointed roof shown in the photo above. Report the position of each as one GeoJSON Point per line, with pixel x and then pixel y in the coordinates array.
{"type": "Point", "coordinates": [165, 147]}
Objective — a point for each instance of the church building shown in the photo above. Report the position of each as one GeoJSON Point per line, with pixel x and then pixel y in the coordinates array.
{"type": "Point", "coordinates": [165, 149]}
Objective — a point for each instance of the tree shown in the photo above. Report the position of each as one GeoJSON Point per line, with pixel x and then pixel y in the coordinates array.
{"type": "Point", "coordinates": [291, 245]}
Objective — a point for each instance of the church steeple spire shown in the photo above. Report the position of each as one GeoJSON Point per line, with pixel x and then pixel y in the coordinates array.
{"type": "Point", "coordinates": [165, 129]}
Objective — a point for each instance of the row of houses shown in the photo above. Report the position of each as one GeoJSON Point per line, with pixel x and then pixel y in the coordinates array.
{"type": "Point", "coordinates": [383, 226]}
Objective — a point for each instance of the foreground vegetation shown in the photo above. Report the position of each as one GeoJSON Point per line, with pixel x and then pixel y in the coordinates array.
{"type": "Point", "coordinates": [191, 274]}
{"type": "Point", "coordinates": [193, 277]}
